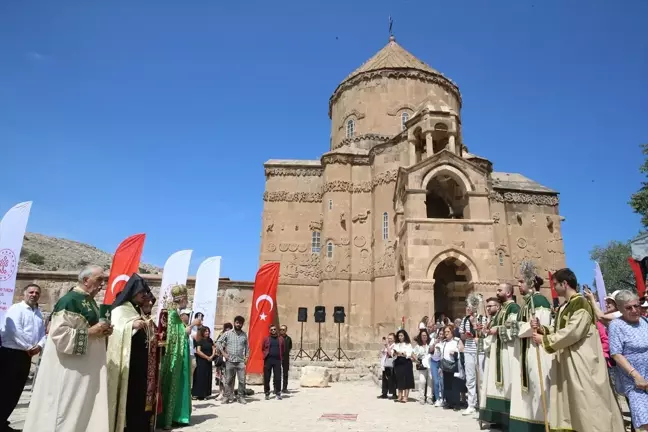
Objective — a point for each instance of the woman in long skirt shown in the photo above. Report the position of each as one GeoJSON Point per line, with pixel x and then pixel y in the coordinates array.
{"type": "Point", "coordinates": [202, 385]}
{"type": "Point", "coordinates": [403, 369]}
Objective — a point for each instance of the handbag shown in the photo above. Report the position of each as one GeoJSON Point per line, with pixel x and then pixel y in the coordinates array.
{"type": "Point", "coordinates": [447, 365]}
{"type": "Point", "coordinates": [389, 362]}
{"type": "Point", "coordinates": [219, 361]}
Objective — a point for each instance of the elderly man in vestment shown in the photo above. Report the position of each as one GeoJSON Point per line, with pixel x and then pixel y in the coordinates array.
{"type": "Point", "coordinates": [527, 412]}
{"type": "Point", "coordinates": [495, 407]}
{"type": "Point", "coordinates": [176, 366]}
{"type": "Point", "coordinates": [71, 392]}
{"type": "Point", "coordinates": [128, 351]}
{"type": "Point", "coordinates": [581, 398]}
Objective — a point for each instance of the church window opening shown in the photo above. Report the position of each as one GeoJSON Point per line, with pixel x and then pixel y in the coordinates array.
{"type": "Point", "coordinates": [445, 198]}
{"type": "Point", "coordinates": [385, 226]}
{"type": "Point", "coordinates": [316, 246]}
{"type": "Point", "coordinates": [501, 258]}
{"type": "Point", "coordinates": [330, 205]}
{"type": "Point", "coordinates": [350, 128]}
{"type": "Point", "coordinates": [404, 118]}
{"type": "Point", "coordinates": [329, 250]}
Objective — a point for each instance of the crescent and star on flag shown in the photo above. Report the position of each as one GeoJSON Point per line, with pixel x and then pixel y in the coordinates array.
{"type": "Point", "coordinates": [267, 298]}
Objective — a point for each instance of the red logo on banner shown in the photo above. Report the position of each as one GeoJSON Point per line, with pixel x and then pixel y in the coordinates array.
{"type": "Point", "coordinates": [7, 264]}
{"type": "Point", "coordinates": [264, 309]}
{"type": "Point", "coordinates": [125, 262]}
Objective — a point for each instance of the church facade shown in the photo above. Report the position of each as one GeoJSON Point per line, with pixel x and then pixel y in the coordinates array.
{"type": "Point", "coordinates": [398, 220]}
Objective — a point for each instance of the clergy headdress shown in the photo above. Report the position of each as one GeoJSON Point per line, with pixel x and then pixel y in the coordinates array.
{"type": "Point", "coordinates": [473, 301]}
{"type": "Point", "coordinates": [529, 276]}
{"type": "Point", "coordinates": [178, 292]}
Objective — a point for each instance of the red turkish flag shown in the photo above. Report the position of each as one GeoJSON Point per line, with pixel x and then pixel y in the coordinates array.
{"type": "Point", "coordinates": [554, 293]}
{"type": "Point", "coordinates": [639, 277]}
{"type": "Point", "coordinates": [262, 313]}
{"type": "Point", "coordinates": [125, 262]}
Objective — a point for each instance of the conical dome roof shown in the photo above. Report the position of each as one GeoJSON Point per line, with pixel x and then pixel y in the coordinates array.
{"type": "Point", "coordinates": [392, 56]}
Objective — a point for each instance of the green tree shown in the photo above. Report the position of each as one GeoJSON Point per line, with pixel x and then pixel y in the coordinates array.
{"type": "Point", "coordinates": [639, 200]}
{"type": "Point", "coordinates": [36, 258]}
{"type": "Point", "coordinates": [613, 260]}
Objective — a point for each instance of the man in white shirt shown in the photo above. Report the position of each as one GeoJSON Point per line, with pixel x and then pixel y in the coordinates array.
{"type": "Point", "coordinates": [23, 336]}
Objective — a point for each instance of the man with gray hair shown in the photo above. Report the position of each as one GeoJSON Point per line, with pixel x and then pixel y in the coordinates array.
{"type": "Point", "coordinates": [73, 368]}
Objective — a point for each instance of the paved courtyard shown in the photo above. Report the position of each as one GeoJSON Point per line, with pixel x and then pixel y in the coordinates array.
{"type": "Point", "coordinates": [302, 409]}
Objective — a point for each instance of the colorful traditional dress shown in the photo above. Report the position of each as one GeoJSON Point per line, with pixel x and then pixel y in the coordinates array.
{"type": "Point", "coordinates": [581, 398]}
{"type": "Point", "coordinates": [153, 401]}
{"type": "Point", "coordinates": [71, 393]}
{"type": "Point", "coordinates": [527, 414]}
{"type": "Point", "coordinates": [174, 375]}
{"type": "Point", "coordinates": [495, 407]}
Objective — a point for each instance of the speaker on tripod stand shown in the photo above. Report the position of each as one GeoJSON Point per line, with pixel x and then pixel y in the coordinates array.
{"type": "Point", "coordinates": [320, 317]}
{"type": "Point", "coordinates": [302, 317]}
{"type": "Point", "coordinates": [338, 318]}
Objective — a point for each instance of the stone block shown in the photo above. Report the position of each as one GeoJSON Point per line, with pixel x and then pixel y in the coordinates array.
{"type": "Point", "coordinates": [314, 376]}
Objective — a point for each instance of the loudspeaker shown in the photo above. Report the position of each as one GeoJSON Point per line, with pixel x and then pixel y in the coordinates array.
{"type": "Point", "coordinates": [302, 314]}
{"type": "Point", "coordinates": [338, 314]}
{"type": "Point", "coordinates": [320, 314]}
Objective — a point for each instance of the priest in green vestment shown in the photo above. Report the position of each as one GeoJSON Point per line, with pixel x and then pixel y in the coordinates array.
{"type": "Point", "coordinates": [495, 407]}
{"type": "Point", "coordinates": [581, 399]}
{"type": "Point", "coordinates": [127, 359]}
{"type": "Point", "coordinates": [527, 412]}
{"type": "Point", "coordinates": [70, 393]}
{"type": "Point", "coordinates": [176, 366]}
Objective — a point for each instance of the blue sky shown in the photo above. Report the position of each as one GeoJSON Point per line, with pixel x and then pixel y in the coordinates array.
{"type": "Point", "coordinates": [156, 116]}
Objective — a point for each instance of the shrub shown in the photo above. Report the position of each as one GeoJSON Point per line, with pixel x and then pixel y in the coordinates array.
{"type": "Point", "coordinates": [36, 258]}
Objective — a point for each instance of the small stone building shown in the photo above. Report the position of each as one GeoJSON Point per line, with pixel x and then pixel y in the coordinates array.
{"type": "Point", "coordinates": [398, 219]}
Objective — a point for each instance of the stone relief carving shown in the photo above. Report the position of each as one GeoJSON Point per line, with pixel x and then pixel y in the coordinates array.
{"type": "Point", "coordinates": [459, 244]}
{"type": "Point", "coordinates": [364, 137]}
{"type": "Point", "coordinates": [522, 243]}
{"type": "Point", "coordinates": [283, 247]}
{"type": "Point", "coordinates": [386, 261]}
{"type": "Point", "coordinates": [270, 227]}
{"type": "Point", "coordinates": [285, 196]}
{"type": "Point", "coordinates": [330, 267]}
{"type": "Point", "coordinates": [362, 187]}
{"type": "Point", "coordinates": [344, 241]}
{"type": "Point", "coordinates": [385, 178]}
{"type": "Point", "coordinates": [361, 217]}
{"type": "Point", "coordinates": [496, 218]}
{"type": "Point", "coordinates": [345, 159]}
{"type": "Point", "coordinates": [301, 266]}
{"type": "Point", "coordinates": [293, 172]}
{"type": "Point", "coordinates": [365, 262]}
{"type": "Point", "coordinates": [315, 225]}
{"type": "Point", "coordinates": [550, 223]}
{"type": "Point", "coordinates": [524, 198]}
{"type": "Point", "coordinates": [533, 220]}
{"type": "Point", "coordinates": [303, 247]}
{"type": "Point", "coordinates": [344, 264]}
{"type": "Point", "coordinates": [359, 241]}
{"type": "Point", "coordinates": [272, 247]}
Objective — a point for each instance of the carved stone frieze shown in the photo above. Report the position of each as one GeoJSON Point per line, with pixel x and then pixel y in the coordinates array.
{"type": "Point", "coordinates": [361, 217]}
{"type": "Point", "coordinates": [360, 138]}
{"type": "Point", "coordinates": [344, 241]}
{"type": "Point", "coordinates": [345, 159]}
{"type": "Point", "coordinates": [293, 172]}
{"type": "Point", "coordinates": [366, 266]}
{"type": "Point", "coordinates": [524, 198]}
{"type": "Point", "coordinates": [496, 218]}
{"type": "Point", "coordinates": [301, 266]}
{"type": "Point", "coordinates": [362, 187]}
{"type": "Point", "coordinates": [272, 247]}
{"type": "Point", "coordinates": [386, 261]}
{"type": "Point", "coordinates": [359, 241]}
{"type": "Point", "coordinates": [315, 226]}
{"type": "Point", "coordinates": [285, 196]}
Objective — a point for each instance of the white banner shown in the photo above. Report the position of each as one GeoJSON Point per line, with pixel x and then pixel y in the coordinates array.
{"type": "Point", "coordinates": [176, 270]}
{"type": "Point", "coordinates": [12, 233]}
{"type": "Point", "coordinates": [206, 294]}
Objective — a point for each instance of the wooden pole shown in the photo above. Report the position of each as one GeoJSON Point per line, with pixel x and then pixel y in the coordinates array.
{"type": "Point", "coordinates": [540, 376]}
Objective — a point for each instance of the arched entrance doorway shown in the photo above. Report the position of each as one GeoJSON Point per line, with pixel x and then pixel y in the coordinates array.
{"type": "Point", "coordinates": [452, 284]}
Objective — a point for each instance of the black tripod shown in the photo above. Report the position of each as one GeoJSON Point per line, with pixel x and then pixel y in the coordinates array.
{"type": "Point", "coordinates": [320, 354]}
{"type": "Point", "coordinates": [301, 353]}
{"type": "Point", "coordinates": [340, 352]}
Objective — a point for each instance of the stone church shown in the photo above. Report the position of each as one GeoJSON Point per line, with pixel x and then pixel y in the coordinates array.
{"type": "Point", "coordinates": [398, 219]}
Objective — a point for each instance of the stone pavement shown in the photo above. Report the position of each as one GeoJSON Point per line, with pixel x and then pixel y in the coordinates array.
{"type": "Point", "coordinates": [302, 408]}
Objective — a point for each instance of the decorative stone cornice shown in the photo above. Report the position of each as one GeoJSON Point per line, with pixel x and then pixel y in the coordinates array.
{"type": "Point", "coordinates": [285, 196]}
{"type": "Point", "coordinates": [293, 172]}
{"type": "Point", "coordinates": [345, 159]}
{"type": "Point", "coordinates": [363, 187]}
{"type": "Point", "coordinates": [524, 198]}
{"type": "Point", "coordinates": [412, 74]}
{"type": "Point", "coordinates": [359, 138]}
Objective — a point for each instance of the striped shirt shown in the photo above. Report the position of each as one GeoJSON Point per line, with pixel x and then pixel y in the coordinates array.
{"type": "Point", "coordinates": [469, 342]}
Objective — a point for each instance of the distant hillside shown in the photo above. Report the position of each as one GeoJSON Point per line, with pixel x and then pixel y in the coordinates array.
{"type": "Point", "coordinates": [41, 252]}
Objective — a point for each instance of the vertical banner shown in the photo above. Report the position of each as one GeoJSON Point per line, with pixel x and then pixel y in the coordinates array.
{"type": "Point", "coordinates": [600, 285]}
{"type": "Point", "coordinates": [12, 233]}
{"type": "Point", "coordinates": [639, 276]}
{"type": "Point", "coordinates": [125, 262]}
{"type": "Point", "coordinates": [554, 293]}
{"type": "Point", "coordinates": [206, 293]}
{"type": "Point", "coordinates": [263, 309]}
{"type": "Point", "coordinates": [176, 270]}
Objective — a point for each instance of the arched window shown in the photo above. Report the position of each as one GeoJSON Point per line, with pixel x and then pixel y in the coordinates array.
{"type": "Point", "coordinates": [385, 226]}
{"type": "Point", "coordinates": [350, 128]}
{"type": "Point", "coordinates": [316, 246]}
{"type": "Point", "coordinates": [500, 255]}
{"type": "Point", "coordinates": [329, 250]}
{"type": "Point", "coordinates": [404, 118]}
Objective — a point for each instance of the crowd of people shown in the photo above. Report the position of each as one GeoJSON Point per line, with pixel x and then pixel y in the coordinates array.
{"type": "Point", "coordinates": [112, 369]}
{"type": "Point", "coordinates": [530, 366]}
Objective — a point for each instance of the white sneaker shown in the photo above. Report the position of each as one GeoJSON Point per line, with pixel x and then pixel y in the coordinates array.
{"type": "Point", "coordinates": [469, 411]}
{"type": "Point", "coordinates": [439, 403]}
